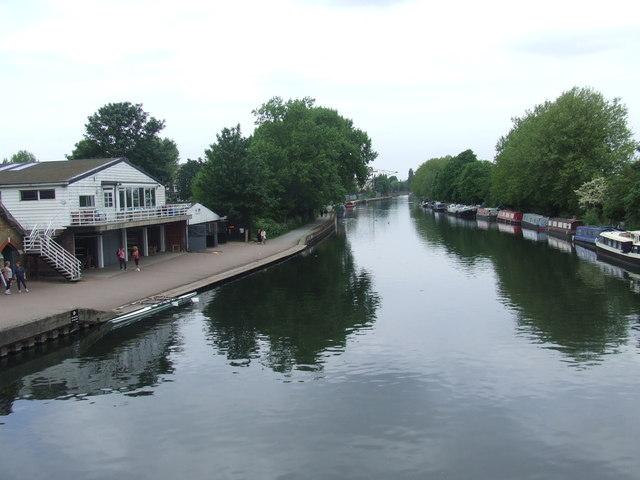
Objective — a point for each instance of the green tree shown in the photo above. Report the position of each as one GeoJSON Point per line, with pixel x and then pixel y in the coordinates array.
{"type": "Point", "coordinates": [424, 177]}
{"type": "Point", "coordinates": [184, 179]}
{"type": "Point", "coordinates": [591, 198]}
{"type": "Point", "coordinates": [382, 185]}
{"type": "Point", "coordinates": [622, 199]}
{"type": "Point", "coordinates": [445, 184]}
{"type": "Point", "coordinates": [396, 186]}
{"type": "Point", "coordinates": [126, 130]}
{"type": "Point", "coordinates": [474, 182]}
{"type": "Point", "coordinates": [558, 146]}
{"type": "Point", "coordinates": [22, 156]}
{"type": "Point", "coordinates": [315, 155]}
{"type": "Point", "coordinates": [231, 181]}
{"type": "Point", "coordinates": [410, 177]}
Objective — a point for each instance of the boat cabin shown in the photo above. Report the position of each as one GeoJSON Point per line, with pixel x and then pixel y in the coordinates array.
{"type": "Point", "coordinates": [564, 228]}
{"type": "Point", "coordinates": [510, 217]}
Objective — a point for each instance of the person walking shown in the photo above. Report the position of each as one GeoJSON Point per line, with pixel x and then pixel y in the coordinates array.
{"type": "Point", "coordinates": [263, 236]}
{"type": "Point", "coordinates": [136, 257]}
{"type": "Point", "coordinates": [122, 258]}
{"type": "Point", "coordinates": [21, 277]}
{"type": "Point", "coordinates": [7, 274]}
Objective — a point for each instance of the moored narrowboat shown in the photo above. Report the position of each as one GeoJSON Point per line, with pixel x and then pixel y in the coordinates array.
{"type": "Point", "coordinates": [534, 221]}
{"type": "Point", "coordinates": [564, 228]}
{"type": "Point", "coordinates": [439, 207]}
{"type": "Point", "coordinates": [468, 212]}
{"type": "Point", "coordinates": [586, 235]}
{"type": "Point", "coordinates": [487, 214]}
{"type": "Point", "coordinates": [510, 217]}
{"type": "Point", "coordinates": [621, 247]}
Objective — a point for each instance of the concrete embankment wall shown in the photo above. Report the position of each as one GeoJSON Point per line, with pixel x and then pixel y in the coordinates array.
{"type": "Point", "coordinates": [43, 330]}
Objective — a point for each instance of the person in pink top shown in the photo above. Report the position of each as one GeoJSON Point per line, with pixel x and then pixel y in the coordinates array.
{"type": "Point", "coordinates": [122, 258]}
{"type": "Point", "coordinates": [136, 257]}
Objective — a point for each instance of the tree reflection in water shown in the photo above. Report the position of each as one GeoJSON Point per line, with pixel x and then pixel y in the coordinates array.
{"type": "Point", "coordinates": [125, 360]}
{"type": "Point", "coordinates": [561, 300]}
{"type": "Point", "coordinates": [286, 317]}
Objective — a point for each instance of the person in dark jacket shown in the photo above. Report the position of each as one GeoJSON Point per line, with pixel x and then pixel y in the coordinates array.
{"type": "Point", "coordinates": [21, 277]}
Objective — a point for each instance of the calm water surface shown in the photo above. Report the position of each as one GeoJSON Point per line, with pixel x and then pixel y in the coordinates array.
{"type": "Point", "coordinates": [408, 346]}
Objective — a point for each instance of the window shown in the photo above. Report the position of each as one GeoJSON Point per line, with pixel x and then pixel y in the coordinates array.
{"type": "Point", "coordinates": [29, 195]}
{"type": "Point", "coordinates": [108, 199]}
{"type": "Point", "coordinates": [47, 194]}
{"type": "Point", "coordinates": [150, 197]}
{"type": "Point", "coordinates": [87, 201]}
{"type": "Point", "coordinates": [137, 197]}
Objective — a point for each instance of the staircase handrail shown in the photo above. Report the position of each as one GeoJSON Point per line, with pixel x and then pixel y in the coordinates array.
{"type": "Point", "coordinates": [61, 259]}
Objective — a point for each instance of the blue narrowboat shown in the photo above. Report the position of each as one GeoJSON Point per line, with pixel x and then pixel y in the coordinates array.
{"type": "Point", "coordinates": [586, 235]}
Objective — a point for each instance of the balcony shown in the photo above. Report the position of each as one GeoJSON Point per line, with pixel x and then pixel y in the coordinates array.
{"type": "Point", "coordinates": [97, 217]}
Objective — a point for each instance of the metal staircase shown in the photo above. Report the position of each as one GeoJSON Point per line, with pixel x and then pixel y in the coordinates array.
{"type": "Point", "coordinates": [41, 242]}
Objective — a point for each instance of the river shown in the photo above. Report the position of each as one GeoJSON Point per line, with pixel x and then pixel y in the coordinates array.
{"type": "Point", "coordinates": [410, 345]}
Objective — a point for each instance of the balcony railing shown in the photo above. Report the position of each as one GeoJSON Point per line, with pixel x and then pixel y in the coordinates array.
{"type": "Point", "coordinates": [100, 217]}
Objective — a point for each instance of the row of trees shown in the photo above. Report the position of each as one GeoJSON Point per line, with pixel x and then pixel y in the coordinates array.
{"type": "Point", "coordinates": [573, 156]}
{"type": "Point", "coordinates": [300, 158]}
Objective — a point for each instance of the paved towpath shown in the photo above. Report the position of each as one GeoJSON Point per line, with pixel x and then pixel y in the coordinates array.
{"type": "Point", "coordinates": [170, 274]}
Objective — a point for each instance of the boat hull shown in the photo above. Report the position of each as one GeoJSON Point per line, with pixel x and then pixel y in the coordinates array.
{"type": "Point", "coordinates": [533, 221]}
{"type": "Point", "coordinates": [159, 306]}
{"type": "Point", "coordinates": [621, 248]}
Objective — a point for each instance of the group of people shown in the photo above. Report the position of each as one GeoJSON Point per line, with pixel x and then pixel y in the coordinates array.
{"type": "Point", "coordinates": [8, 275]}
{"type": "Point", "coordinates": [262, 236]}
{"type": "Point", "coordinates": [122, 258]}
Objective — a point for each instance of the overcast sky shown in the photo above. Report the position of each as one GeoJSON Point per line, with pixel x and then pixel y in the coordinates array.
{"type": "Point", "coordinates": [423, 78]}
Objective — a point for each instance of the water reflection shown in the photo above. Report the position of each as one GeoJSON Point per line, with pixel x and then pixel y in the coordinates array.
{"type": "Point", "coordinates": [291, 316]}
{"type": "Point", "coordinates": [560, 244]}
{"type": "Point", "coordinates": [560, 301]}
{"type": "Point", "coordinates": [125, 360]}
{"type": "Point", "coordinates": [510, 229]}
{"type": "Point", "coordinates": [590, 257]}
{"type": "Point", "coordinates": [534, 235]}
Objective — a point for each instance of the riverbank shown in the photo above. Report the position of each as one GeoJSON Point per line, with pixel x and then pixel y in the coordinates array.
{"type": "Point", "coordinates": [53, 308]}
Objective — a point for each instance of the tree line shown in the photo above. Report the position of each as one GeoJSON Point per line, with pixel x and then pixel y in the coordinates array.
{"type": "Point", "coordinates": [572, 157]}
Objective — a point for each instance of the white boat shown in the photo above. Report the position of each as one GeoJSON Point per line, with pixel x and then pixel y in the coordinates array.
{"type": "Point", "coordinates": [620, 246]}
{"type": "Point", "coordinates": [156, 305]}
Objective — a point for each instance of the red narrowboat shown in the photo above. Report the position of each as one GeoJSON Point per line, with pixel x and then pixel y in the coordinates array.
{"type": "Point", "coordinates": [510, 217]}
{"type": "Point", "coordinates": [564, 228]}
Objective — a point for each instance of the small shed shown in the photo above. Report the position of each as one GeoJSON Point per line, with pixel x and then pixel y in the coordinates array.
{"type": "Point", "coordinates": [204, 227]}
